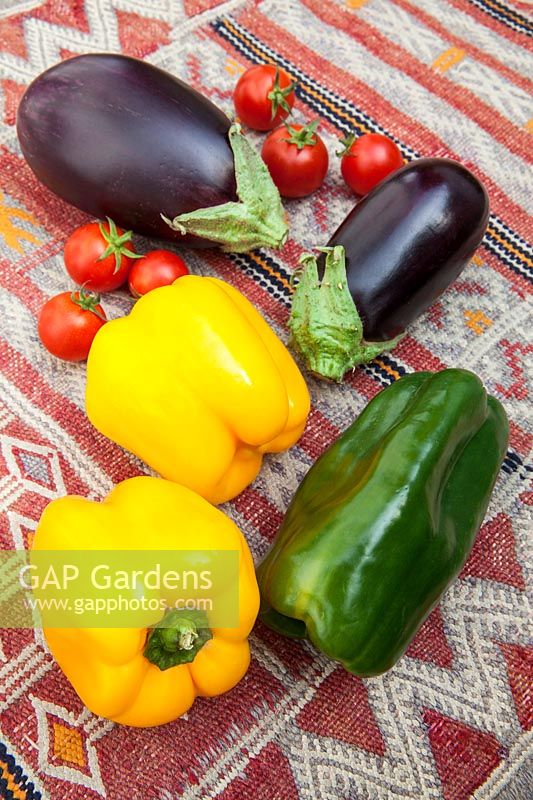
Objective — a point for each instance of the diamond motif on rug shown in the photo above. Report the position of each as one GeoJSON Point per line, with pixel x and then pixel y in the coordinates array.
{"type": "Point", "coordinates": [36, 466]}
{"type": "Point", "coordinates": [66, 744]}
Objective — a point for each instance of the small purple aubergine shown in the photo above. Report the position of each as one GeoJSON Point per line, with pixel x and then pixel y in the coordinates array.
{"type": "Point", "coordinates": [388, 261]}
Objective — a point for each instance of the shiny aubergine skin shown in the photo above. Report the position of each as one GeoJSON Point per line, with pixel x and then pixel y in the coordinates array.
{"type": "Point", "coordinates": [118, 137]}
{"type": "Point", "coordinates": [407, 241]}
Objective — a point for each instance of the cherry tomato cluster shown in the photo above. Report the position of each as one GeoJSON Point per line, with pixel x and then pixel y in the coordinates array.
{"type": "Point", "coordinates": [295, 155]}
{"type": "Point", "coordinates": [99, 257]}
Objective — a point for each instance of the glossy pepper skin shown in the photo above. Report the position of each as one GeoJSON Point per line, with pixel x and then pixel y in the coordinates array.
{"type": "Point", "coordinates": [196, 384]}
{"type": "Point", "coordinates": [385, 519]}
{"type": "Point", "coordinates": [107, 666]}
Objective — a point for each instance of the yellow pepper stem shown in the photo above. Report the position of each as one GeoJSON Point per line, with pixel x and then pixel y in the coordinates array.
{"type": "Point", "coordinates": [177, 638]}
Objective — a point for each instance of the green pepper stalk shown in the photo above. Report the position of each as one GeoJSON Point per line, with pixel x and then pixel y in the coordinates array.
{"type": "Point", "coordinates": [177, 639]}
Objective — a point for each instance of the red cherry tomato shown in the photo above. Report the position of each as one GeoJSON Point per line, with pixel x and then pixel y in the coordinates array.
{"type": "Point", "coordinates": [99, 256]}
{"type": "Point", "coordinates": [263, 97]}
{"type": "Point", "coordinates": [297, 159]}
{"type": "Point", "coordinates": [69, 322]}
{"type": "Point", "coordinates": [157, 268]}
{"type": "Point", "coordinates": [366, 161]}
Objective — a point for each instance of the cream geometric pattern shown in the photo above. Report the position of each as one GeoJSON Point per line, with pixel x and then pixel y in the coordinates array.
{"type": "Point", "coordinates": [39, 471]}
{"type": "Point", "coordinates": [88, 728]}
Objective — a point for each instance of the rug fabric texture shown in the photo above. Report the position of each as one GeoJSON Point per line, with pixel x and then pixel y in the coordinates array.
{"type": "Point", "coordinates": [453, 719]}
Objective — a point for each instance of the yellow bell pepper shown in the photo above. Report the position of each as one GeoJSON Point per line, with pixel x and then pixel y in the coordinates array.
{"type": "Point", "coordinates": [113, 670]}
{"type": "Point", "coordinates": [196, 384]}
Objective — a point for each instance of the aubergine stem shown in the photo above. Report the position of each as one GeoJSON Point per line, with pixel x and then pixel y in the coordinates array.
{"type": "Point", "coordinates": [325, 325]}
{"type": "Point", "coordinates": [257, 220]}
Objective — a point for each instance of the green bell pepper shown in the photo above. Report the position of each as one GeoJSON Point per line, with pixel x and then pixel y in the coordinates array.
{"type": "Point", "coordinates": [385, 519]}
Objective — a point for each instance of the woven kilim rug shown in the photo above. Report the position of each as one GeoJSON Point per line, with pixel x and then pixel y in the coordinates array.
{"type": "Point", "coordinates": [453, 719]}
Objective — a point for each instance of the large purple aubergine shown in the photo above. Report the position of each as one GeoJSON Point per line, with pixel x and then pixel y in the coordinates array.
{"type": "Point", "coordinates": [391, 258]}
{"type": "Point", "coordinates": [118, 137]}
